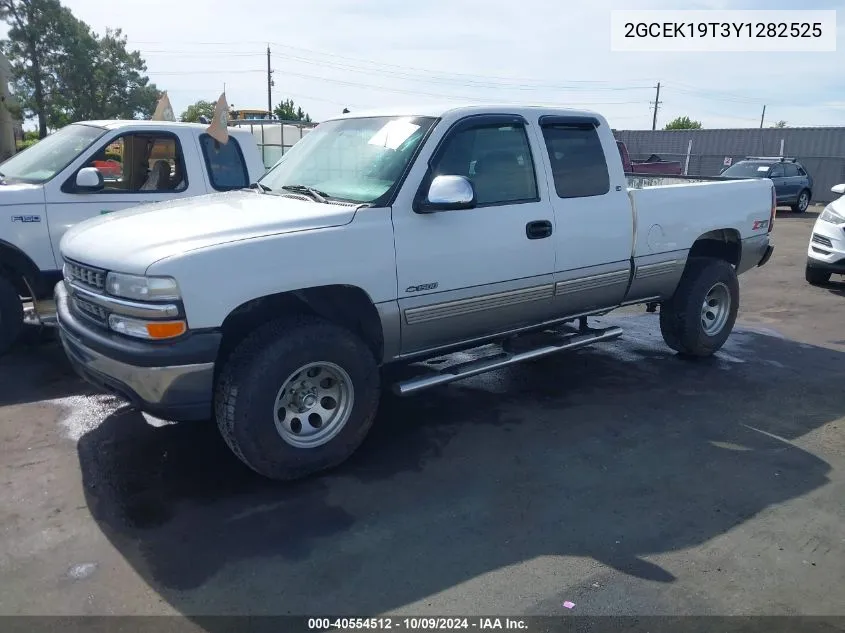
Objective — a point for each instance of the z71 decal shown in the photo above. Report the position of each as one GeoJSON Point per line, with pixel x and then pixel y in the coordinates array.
{"type": "Point", "coordinates": [760, 224]}
{"type": "Point", "coordinates": [26, 218]}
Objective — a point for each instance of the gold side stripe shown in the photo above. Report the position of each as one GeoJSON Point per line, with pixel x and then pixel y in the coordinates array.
{"type": "Point", "coordinates": [477, 304]}
{"type": "Point", "coordinates": [593, 282]}
{"type": "Point", "coordinates": [661, 268]}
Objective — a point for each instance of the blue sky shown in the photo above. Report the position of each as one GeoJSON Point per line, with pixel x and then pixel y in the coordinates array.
{"type": "Point", "coordinates": [330, 54]}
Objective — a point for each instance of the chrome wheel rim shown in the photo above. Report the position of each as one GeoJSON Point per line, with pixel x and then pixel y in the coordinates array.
{"type": "Point", "coordinates": [803, 201]}
{"type": "Point", "coordinates": [715, 309]}
{"type": "Point", "coordinates": [313, 405]}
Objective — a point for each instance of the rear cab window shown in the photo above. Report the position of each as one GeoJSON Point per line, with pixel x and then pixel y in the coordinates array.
{"type": "Point", "coordinates": [225, 163]}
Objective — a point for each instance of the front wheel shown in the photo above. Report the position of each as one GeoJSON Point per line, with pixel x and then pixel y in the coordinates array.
{"type": "Point", "coordinates": [11, 315]}
{"type": "Point", "coordinates": [298, 396]}
{"type": "Point", "coordinates": [700, 316]}
{"type": "Point", "coordinates": [816, 276]}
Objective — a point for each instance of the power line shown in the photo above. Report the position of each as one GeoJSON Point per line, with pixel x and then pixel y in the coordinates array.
{"type": "Point", "coordinates": [345, 59]}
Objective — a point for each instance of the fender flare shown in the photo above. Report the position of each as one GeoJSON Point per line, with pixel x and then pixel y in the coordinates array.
{"type": "Point", "coordinates": [14, 261]}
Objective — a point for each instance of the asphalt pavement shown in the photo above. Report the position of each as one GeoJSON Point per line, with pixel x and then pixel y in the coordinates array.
{"type": "Point", "coordinates": [620, 478]}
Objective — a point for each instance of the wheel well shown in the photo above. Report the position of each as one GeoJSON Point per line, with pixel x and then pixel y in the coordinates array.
{"type": "Point", "coordinates": [18, 269]}
{"type": "Point", "coordinates": [720, 244]}
{"type": "Point", "coordinates": [347, 306]}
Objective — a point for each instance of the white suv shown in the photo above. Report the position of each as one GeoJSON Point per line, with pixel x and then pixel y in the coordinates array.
{"type": "Point", "coordinates": [826, 252]}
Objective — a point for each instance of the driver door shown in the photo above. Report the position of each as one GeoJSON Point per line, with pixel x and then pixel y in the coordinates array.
{"type": "Point", "coordinates": [473, 272]}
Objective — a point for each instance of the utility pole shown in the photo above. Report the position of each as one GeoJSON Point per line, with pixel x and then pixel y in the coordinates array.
{"type": "Point", "coordinates": [762, 117]}
{"type": "Point", "coordinates": [656, 103]}
{"type": "Point", "coordinates": [269, 83]}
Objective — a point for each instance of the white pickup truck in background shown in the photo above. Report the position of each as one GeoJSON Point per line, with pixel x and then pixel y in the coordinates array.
{"type": "Point", "coordinates": [95, 167]}
{"type": "Point", "coordinates": [391, 238]}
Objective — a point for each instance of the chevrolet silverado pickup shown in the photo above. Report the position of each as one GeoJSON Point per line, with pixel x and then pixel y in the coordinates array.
{"type": "Point", "coordinates": [404, 237]}
{"type": "Point", "coordinates": [94, 167]}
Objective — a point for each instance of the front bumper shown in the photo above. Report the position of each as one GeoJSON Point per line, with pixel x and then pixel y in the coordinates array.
{"type": "Point", "coordinates": [826, 250]}
{"type": "Point", "coordinates": [171, 381]}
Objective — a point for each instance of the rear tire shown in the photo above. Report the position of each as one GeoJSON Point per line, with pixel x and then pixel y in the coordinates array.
{"type": "Point", "coordinates": [816, 276]}
{"type": "Point", "coordinates": [802, 202]}
{"type": "Point", "coordinates": [296, 397]}
{"type": "Point", "coordinates": [11, 315]}
{"type": "Point", "coordinates": [700, 316]}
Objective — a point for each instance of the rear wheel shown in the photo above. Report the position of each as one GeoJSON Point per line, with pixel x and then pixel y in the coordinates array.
{"type": "Point", "coordinates": [11, 315]}
{"type": "Point", "coordinates": [802, 202]}
{"type": "Point", "coordinates": [816, 276]}
{"type": "Point", "coordinates": [298, 396]}
{"type": "Point", "coordinates": [700, 316]}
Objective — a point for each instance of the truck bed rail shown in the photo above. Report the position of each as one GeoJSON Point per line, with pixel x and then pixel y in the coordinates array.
{"type": "Point", "coordinates": [642, 181]}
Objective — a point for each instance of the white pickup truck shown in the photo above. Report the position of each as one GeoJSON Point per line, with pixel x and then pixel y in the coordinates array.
{"type": "Point", "coordinates": [388, 238]}
{"type": "Point", "coordinates": [94, 167]}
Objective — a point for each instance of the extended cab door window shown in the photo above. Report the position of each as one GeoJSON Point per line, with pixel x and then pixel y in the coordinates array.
{"type": "Point", "coordinates": [225, 163]}
{"type": "Point", "coordinates": [141, 163]}
{"type": "Point", "coordinates": [497, 159]}
{"type": "Point", "coordinates": [579, 167]}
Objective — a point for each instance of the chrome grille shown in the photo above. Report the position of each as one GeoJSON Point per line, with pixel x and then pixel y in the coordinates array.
{"type": "Point", "coordinates": [821, 239]}
{"type": "Point", "coordinates": [85, 275]}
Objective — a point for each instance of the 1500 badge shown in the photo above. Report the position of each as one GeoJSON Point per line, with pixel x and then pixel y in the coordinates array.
{"type": "Point", "coordinates": [26, 218]}
{"type": "Point", "coordinates": [421, 288]}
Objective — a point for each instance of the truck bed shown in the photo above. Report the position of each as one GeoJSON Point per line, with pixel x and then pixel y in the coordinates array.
{"type": "Point", "coordinates": [664, 208]}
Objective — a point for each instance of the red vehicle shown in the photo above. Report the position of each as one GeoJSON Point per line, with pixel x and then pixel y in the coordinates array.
{"type": "Point", "coordinates": [109, 168]}
{"type": "Point", "coordinates": [652, 165]}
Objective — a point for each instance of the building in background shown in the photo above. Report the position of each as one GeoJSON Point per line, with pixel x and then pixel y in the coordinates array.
{"type": "Point", "coordinates": [707, 152]}
{"type": "Point", "coordinates": [11, 128]}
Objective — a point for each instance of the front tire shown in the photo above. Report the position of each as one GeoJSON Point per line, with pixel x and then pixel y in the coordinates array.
{"type": "Point", "coordinates": [816, 276]}
{"type": "Point", "coordinates": [700, 316]}
{"type": "Point", "coordinates": [296, 397]}
{"type": "Point", "coordinates": [11, 315]}
{"type": "Point", "coordinates": [802, 202]}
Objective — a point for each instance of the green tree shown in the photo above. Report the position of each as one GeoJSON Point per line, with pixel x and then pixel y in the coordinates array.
{"type": "Point", "coordinates": [64, 72]}
{"type": "Point", "coordinates": [287, 110]}
{"type": "Point", "coordinates": [39, 38]}
{"type": "Point", "coordinates": [193, 112]}
{"type": "Point", "coordinates": [683, 123]}
{"type": "Point", "coordinates": [780, 124]}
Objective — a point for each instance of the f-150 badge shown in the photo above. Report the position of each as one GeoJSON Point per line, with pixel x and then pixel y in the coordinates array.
{"type": "Point", "coordinates": [26, 218]}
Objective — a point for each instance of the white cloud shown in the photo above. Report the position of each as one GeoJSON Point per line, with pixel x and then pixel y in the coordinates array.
{"type": "Point", "coordinates": [385, 52]}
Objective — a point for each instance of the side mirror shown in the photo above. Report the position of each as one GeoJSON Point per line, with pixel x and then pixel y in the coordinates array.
{"type": "Point", "coordinates": [840, 189]}
{"type": "Point", "coordinates": [89, 179]}
{"type": "Point", "coordinates": [448, 193]}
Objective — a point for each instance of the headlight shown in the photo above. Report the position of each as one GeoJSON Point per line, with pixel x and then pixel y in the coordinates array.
{"type": "Point", "coordinates": [829, 215]}
{"type": "Point", "coordinates": [153, 330]}
{"type": "Point", "coordinates": [142, 288]}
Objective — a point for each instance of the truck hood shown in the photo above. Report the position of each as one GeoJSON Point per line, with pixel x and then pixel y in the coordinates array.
{"type": "Point", "coordinates": [21, 194]}
{"type": "Point", "coordinates": [132, 240]}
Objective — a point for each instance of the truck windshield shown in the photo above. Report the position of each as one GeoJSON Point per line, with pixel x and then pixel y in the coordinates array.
{"type": "Point", "coordinates": [747, 170]}
{"type": "Point", "coordinates": [355, 160]}
{"type": "Point", "coordinates": [50, 155]}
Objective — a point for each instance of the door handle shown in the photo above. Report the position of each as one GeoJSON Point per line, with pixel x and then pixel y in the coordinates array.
{"type": "Point", "coordinates": [538, 230]}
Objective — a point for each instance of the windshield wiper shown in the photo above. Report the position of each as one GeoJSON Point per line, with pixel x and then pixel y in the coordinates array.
{"type": "Point", "coordinates": [316, 194]}
{"type": "Point", "coordinates": [260, 187]}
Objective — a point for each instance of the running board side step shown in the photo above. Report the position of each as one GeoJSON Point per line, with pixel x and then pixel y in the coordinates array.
{"type": "Point", "coordinates": [503, 359]}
